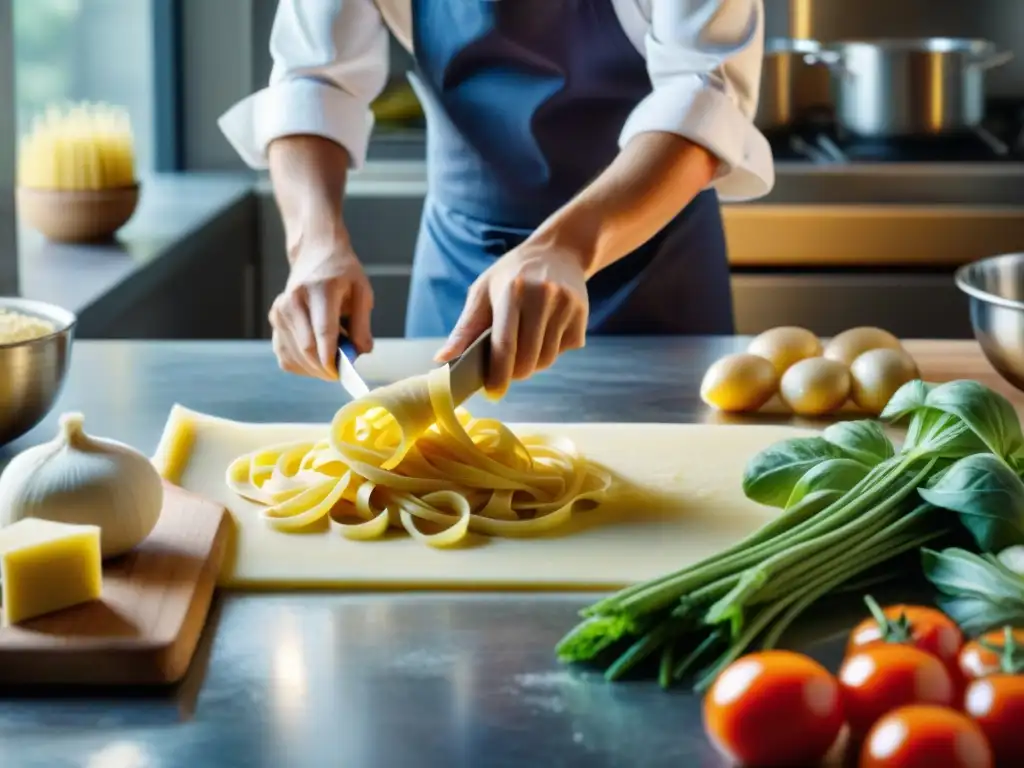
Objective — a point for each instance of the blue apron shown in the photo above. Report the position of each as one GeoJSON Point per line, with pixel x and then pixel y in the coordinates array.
{"type": "Point", "coordinates": [524, 103]}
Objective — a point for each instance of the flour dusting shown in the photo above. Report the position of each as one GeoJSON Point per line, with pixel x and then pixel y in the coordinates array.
{"type": "Point", "coordinates": [553, 679]}
{"type": "Point", "coordinates": [553, 704]}
{"type": "Point", "coordinates": [423, 662]}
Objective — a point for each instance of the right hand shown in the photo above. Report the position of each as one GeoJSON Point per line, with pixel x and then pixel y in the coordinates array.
{"type": "Point", "coordinates": [326, 283]}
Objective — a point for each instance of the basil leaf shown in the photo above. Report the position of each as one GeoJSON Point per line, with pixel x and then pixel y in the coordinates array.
{"type": "Point", "coordinates": [906, 401]}
{"type": "Point", "coordinates": [936, 433]}
{"type": "Point", "coordinates": [978, 593]}
{"type": "Point", "coordinates": [956, 571]}
{"type": "Point", "coordinates": [1012, 558]}
{"type": "Point", "coordinates": [771, 475]}
{"type": "Point", "coordinates": [989, 414]}
{"type": "Point", "coordinates": [864, 440]}
{"type": "Point", "coordinates": [1017, 462]}
{"type": "Point", "coordinates": [977, 615]}
{"type": "Point", "coordinates": [830, 475]}
{"type": "Point", "coordinates": [987, 495]}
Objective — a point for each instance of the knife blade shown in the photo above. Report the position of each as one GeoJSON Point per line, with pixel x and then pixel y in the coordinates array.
{"type": "Point", "coordinates": [348, 376]}
{"type": "Point", "coordinates": [469, 370]}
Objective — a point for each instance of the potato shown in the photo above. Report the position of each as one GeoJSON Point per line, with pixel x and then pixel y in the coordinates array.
{"type": "Point", "coordinates": [815, 386]}
{"type": "Point", "coordinates": [740, 382]}
{"type": "Point", "coordinates": [849, 345]}
{"type": "Point", "coordinates": [785, 345]}
{"type": "Point", "coordinates": [877, 374]}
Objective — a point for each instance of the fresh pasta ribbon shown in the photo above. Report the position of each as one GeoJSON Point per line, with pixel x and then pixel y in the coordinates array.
{"type": "Point", "coordinates": [405, 457]}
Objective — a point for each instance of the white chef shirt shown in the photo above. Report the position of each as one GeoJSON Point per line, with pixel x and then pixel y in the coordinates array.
{"type": "Point", "coordinates": [704, 58]}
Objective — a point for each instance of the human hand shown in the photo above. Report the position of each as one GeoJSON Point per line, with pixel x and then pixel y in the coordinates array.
{"type": "Point", "coordinates": [534, 298]}
{"type": "Point", "coordinates": [326, 283]}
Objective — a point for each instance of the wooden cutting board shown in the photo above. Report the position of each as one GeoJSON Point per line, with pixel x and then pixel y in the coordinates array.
{"type": "Point", "coordinates": [682, 501]}
{"type": "Point", "coordinates": [145, 628]}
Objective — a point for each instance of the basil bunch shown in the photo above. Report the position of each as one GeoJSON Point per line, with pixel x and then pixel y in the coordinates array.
{"type": "Point", "coordinates": [850, 502]}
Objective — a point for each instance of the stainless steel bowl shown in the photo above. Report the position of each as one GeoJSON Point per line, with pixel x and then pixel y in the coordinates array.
{"type": "Point", "coordinates": [32, 372]}
{"type": "Point", "coordinates": [995, 287]}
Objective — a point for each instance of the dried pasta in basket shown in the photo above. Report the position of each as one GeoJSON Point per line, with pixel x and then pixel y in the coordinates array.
{"type": "Point", "coordinates": [404, 457]}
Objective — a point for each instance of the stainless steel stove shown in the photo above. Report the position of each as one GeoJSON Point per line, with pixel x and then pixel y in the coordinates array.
{"type": "Point", "coordinates": [868, 232]}
{"type": "Point", "coordinates": [999, 139]}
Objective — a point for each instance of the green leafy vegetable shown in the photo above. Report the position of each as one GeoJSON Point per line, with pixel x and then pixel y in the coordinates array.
{"type": "Point", "coordinates": [852, 506]}
{"type": "Point", "coordinates": [976, 591]}
{"type": "Point", "coordinates": [829, 475]}
{"type": "Point", "coordinates": [772, 474]}
{"type": "Point", "coordinates": [907, 400]}
{"type": "Point", "coordinates": [936, 433]}
{"type": "Point", "coordinates": [958, 418]}
{"type": "Point", "coordinates": [864, 441]}
{"type": "Point", "coordinates": [987, 495]}
{"type": "Point", "coordinates": [1013, 558]}
{"type": "Point", "coordinates": [988, 414]}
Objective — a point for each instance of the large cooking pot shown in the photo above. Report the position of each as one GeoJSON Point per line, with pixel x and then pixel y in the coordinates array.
{"type": "Point", "coordinates": [893, 88]}
{"type": "Point", "coordinates": [791, 87]}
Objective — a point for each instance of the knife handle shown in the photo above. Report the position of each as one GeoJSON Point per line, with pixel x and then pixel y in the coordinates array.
{"type": "Point", "coordinates": [345, 345]}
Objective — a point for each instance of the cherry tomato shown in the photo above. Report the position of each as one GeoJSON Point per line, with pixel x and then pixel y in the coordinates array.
{"type": "Point", "coordinates": [926, 736]}
{"type": "Point", "coordinates": [880, 678]}
{"type": "Point", "coordinates": [980, 657]}
{"type": "Point", "coordinates": [773, 708]}
{"type": "Point", "coordinates": [997, 705]}
{"type": "Point", "coordinates": [920, 626]}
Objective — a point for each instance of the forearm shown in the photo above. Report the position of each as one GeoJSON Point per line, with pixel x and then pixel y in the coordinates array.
{"type": "Point", "coordinates": [653, 178]}
{"type": "Point", "coordinates": [308, 174]}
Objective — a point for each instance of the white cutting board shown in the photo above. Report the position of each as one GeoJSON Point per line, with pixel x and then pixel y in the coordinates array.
{"type": "Point", "coordinates": [689, 505]}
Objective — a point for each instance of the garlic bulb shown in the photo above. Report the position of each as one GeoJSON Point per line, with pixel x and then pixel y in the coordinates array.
{"type": "Point", "coordinates": [76, 478]}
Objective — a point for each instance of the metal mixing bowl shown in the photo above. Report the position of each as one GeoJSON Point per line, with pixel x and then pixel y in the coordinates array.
{"type": "Point", "coordinates": [32, 372]}
{"type": "Point", "coordinates": [995, 287]}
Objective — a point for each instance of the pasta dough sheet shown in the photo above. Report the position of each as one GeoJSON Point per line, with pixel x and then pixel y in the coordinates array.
{"type": "Point", "coordinates": [676, 498]}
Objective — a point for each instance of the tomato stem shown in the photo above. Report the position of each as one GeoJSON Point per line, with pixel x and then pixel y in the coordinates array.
{"type": "Point", "coordinates": [1011, 654]}
{"type": "Point", "coordinates": [898, 631]}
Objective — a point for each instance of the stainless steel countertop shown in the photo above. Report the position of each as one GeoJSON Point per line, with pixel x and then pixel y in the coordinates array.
{"type": "Point", "coordinates": [370, 680]}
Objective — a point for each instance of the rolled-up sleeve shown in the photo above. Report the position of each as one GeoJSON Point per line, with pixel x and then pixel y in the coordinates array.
{"type": "Point", "coordinates": [704, 59]}
{"type": "Point", "coordinates": [330, 62]}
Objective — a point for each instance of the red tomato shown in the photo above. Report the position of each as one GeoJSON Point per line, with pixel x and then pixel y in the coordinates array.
{"type": "Point", "coordinates": [880, 678]}
{"type": "Point", "coordinates": [920, 626]}
{"type": "Point", "coordinates": [924, 736]}
{"type": "Point", "coordinates": [978, 661]}
{"type": "Point", "coordinates": [773, 708]}
{"type": "Point", "coordinates": [997, 705]}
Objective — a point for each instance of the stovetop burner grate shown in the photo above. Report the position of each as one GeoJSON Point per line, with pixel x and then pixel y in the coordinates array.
{"type": "Point", "coordinates": [1000, 140]}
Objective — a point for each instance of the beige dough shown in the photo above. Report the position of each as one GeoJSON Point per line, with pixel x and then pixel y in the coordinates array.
{"type": "Point", "coordinates": [676, 498]}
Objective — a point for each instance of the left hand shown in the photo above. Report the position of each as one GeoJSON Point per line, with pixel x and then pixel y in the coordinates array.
{"type": "Point", "coordinates": [534, 298]}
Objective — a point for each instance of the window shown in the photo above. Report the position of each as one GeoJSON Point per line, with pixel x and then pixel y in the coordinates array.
{"type": "Point", "coordinates": [95, 50]}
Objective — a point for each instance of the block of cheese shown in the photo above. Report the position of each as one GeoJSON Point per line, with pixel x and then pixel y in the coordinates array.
{"type": "Point", "coordinates": [46, 566]}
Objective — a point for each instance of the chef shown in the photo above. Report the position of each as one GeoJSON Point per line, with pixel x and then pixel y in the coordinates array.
{"type": "Point", "coordinates": [576, 154]}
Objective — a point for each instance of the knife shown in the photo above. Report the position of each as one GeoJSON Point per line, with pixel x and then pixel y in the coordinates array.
{"type": "Point", "coordinates": [469, 370]}
{"type": "Point", "coordinates": [347, 374]}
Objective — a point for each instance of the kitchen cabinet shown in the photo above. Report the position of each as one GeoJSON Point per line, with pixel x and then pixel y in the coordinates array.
{"type": "Point", "coordinates": [207, 295]}
{"type": "Point", "coordinates": [909, 304]}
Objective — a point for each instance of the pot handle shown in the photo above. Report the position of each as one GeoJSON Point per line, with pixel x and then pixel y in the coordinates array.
{"type": "Point", "coordinates": [993, 61]}
{"type": "Point", "coordinates": [831, 59]}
